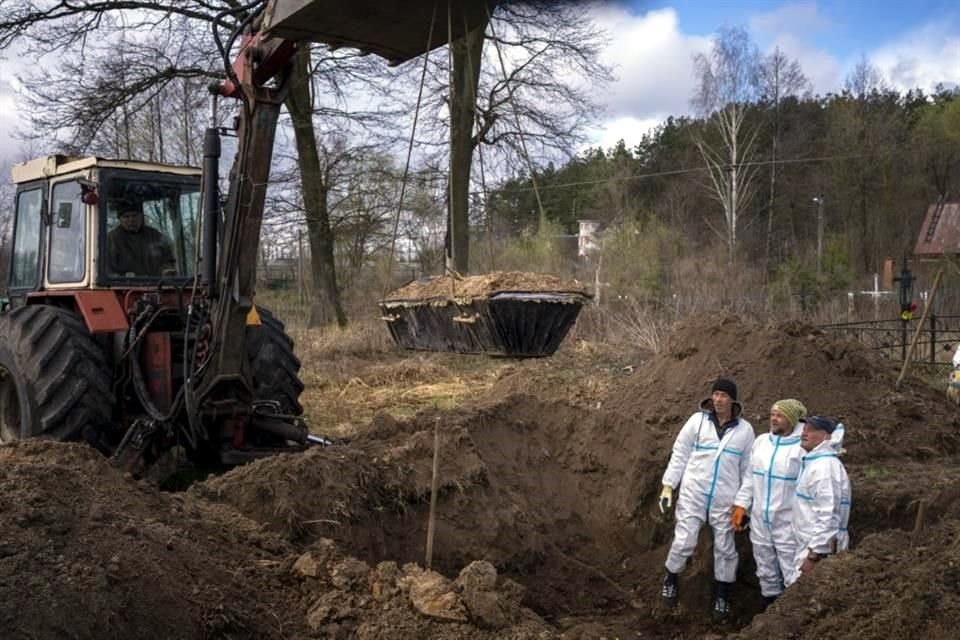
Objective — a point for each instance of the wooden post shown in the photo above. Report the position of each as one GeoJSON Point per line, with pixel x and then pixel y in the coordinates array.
{"type": "Point", "coordinates": [431, 521]}
{"type": "Point", "coordinates": [916, 332]}
{"type": "Point", "coordinates": [301, 288]}
{"type": "Point", "coordinates": [918, 523]}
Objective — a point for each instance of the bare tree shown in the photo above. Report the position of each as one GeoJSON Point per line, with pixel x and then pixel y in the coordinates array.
{"type": "Point", "coordinates": [525, 87]}
{"type": "Point", "coordinates": [778, 77]}
{"type": "Point", "coordinates": [726, 85]}
{"type": "Point", "coordinates": [112, 87]}
{"type": "Point", "coordinates": [864, 79]}
{"type": "Point", "coordinates": [7, 209]}
{"type": "Point", "coordinates": [124, 75]}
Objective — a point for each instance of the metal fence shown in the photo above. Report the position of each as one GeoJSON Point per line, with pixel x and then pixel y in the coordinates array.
{"type": "Point", "coordinates": [936, 343]}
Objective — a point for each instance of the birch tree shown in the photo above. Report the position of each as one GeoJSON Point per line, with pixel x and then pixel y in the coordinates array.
{"type": "Point", "coordinates": [726, 86]}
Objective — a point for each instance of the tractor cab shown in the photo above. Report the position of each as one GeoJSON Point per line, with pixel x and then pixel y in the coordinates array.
{"type": "Point", "coordinates": [92, 223]}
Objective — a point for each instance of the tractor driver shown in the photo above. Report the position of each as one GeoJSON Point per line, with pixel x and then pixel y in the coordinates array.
{"type": "Point", "coordinates": [137, 249]}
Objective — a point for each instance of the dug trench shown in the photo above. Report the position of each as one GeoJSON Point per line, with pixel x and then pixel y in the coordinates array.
{"type": "Point", "coordinates": [550, 477]}
{"type": "Point", "coordinates": [557, 488]}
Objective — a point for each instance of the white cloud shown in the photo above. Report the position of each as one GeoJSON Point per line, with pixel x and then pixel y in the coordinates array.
{"type": "Point", "coordinates": [795, 17]}
{"type": "Point", "coordinates": [922, 58]}
{"type": "Point", "coordinates": [9, 119]}
{"type": "Point", "coordinates": [627, 128]}
{"type": "Point", "coordinates": [653, 62]}
{"type": "Point", "coordinates": [820, 66]}
{"type": "Point", "coordinates": [791, 27]}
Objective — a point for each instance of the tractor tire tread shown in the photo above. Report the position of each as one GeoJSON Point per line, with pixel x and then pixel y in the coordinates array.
{"type": "Point", "coordinates": [66, 373]}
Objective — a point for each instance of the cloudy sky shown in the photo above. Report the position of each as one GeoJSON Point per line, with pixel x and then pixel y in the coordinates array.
{"type": "Point", "coordinates": [914, 44]}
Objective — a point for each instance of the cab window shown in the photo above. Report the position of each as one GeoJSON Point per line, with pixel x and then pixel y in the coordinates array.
{"type": "Point", "coordinates": [25, 266]}
{"type": "Point", "coordinates": [152, 226]}
{"type": "Point", "coordinates": [68, 234]}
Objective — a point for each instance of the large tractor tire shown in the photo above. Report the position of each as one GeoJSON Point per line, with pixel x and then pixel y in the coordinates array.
{"type": "Point", "coordinates": [54, 379]}
{"type": "Point", "coordinates": [275, 368]}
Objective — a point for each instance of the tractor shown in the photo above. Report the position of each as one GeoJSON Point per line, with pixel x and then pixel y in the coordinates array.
{"type": "Point", "coordinates": [106, 327]}
{"type": "Point", "coordinates": [131, 321]}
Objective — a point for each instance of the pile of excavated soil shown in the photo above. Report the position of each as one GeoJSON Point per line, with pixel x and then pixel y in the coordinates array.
{"type": "Point", "coordinates": [894, 584]}
{"type": "Point", "coordinates": [347, 598]}
{"type": "Point", "coordinates": [87, 552]}
{"type": "Point", "coordinates": [832, 376]}
{"type": "Point", "coordinates": [487, 284]}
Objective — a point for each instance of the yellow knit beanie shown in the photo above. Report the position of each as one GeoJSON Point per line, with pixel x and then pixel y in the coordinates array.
{"type": "Point", "coordinates": [791, 408]}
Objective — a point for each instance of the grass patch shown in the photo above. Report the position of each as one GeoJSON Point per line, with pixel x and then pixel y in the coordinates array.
{"type": "Point", "coordinates": [875, 472]}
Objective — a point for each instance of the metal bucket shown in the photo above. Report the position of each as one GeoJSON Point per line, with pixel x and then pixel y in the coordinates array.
{"type": "Point", "coordinates": [509, 324]}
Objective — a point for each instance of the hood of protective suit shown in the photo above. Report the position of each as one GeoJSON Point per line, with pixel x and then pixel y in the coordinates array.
{"type": "Point", "coordinates": [836, 438]}
{"type": "Point", "coordinates": [833, 444]}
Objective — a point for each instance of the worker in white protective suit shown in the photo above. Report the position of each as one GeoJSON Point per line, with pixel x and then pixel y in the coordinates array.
{"type": "Point", "coordinates": [709, 463]}
{"type": "Point", "coordinates": [953, 384]}
{"type": "Point", "coordinates": [821, 507]}
{"type": "Point", "coordinates": [767, 498]}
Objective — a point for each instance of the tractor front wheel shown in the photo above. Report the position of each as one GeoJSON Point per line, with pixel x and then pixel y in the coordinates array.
{"type": "Point", "coordinates": [54, 379]}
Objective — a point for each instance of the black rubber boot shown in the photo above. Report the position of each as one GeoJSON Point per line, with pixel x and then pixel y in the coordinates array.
{"type": "Point", "coordinates": [721, 600]}
{"type": "Point", "coordinates": [769, 600]}
{"type": "Point", "coordinates": [670, 591]}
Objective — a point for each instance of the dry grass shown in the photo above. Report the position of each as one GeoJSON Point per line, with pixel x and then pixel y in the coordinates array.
{"type": "Point", "coordinates": [364, 338]}
{"type": "Point", "coordinates": [355, 374]}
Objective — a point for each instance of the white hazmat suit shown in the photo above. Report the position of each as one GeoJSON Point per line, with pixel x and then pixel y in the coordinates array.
{"type": "Point", "coordinates": [821, 508]}
{"type": "Point", "coordinates": [768, 498]}
{"type": "Point", "coordinates": [709, 471]}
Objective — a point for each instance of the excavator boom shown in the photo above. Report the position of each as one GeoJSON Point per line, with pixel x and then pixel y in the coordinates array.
{"type": "Point", "coordinates": [397, 30]}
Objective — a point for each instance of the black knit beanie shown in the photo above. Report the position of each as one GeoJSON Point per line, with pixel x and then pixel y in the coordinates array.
{"type": "Point", "coordinates": [729, 387]}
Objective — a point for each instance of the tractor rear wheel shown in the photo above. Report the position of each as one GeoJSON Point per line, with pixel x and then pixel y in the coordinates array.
{"type": "Point", "coordinates": [54, 379]}
{"type": "Point", "coordinates": [275, 368]}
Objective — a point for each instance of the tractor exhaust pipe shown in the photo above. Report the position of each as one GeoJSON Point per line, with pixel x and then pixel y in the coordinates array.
{"type": "Point", "coordinates": [211, 199]}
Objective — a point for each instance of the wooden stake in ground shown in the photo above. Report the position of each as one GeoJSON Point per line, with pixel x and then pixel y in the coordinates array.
{"type": "Point", "coordinates": [431, 520]}
{"type": "Point", "coordinates": [916, 333]}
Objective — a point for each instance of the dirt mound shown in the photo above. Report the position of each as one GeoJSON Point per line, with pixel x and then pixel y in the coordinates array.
{"type": "Point", "coordinates": [487, 284]}
{"type": "Point", "coordinates": [832, 376]}
{"type": "Point", "coordinates": [895, 583]}
{"type": "Point", "coordinates": [347, 598]}
{"type": "Point", "coordinates": [88, 553]}
{"type": "Point", "coordinates": [548, 493]}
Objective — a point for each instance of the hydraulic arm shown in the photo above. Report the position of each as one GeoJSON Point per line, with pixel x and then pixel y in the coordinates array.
{"type": "Point", "coordinates": [397, 30]}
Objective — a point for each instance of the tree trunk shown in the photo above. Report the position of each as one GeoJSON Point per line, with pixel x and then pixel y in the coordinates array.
{"type": "Point", "coordinates": [464, 78]}
{"type": "Point", "coordinates": [326, 306]}
{"type": "Point", "coordinates": [773, 189]}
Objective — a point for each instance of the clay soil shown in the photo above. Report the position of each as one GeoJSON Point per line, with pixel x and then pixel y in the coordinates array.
{"type": "Point", "coordinates": [546, 518]}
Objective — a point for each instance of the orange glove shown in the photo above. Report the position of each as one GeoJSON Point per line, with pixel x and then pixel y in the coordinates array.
{"type": "Point", "coordinates": [739, 517]}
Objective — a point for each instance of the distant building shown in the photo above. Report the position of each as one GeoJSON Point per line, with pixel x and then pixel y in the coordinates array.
{"type": "Point", "coordinates": [588, 240]}
{"type": "Point", "coordinates": [940, 233]}
{"type": "Point", "coordinates": [278, 273]}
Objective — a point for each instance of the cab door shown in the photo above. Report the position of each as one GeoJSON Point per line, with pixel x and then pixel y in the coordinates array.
{"type": "Point", "coordinates": [25, 256]}
{"type": "Point", "coordinates": [67, 255]}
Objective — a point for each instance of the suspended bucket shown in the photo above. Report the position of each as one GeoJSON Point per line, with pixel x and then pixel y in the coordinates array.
{"type": "Point", "coordinates": [513, 314]}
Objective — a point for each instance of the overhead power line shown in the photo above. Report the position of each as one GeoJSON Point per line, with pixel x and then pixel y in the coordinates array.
{"type": "Point", "coordinates": [675, 172]}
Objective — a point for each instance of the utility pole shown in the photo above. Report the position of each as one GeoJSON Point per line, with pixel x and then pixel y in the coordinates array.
{"type": "Point", "coordinates": [818, 200]}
